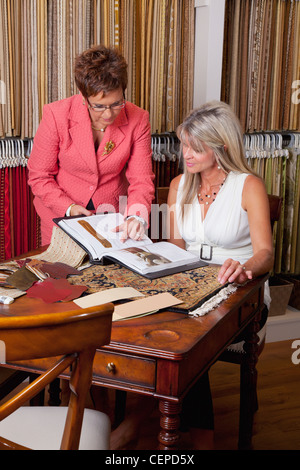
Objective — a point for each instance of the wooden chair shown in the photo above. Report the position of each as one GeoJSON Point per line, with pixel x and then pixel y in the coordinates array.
{"type": "Point", "coordinates": [235, 353]}
{"type": "Point", "coordinates": [74, 335]}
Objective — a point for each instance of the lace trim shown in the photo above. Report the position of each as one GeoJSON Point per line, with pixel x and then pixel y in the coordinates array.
{"type": "Point", "coordinates": [214, 301]}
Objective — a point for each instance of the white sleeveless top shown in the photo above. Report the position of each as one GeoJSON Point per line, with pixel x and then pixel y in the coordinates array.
{"type": "Point", "coordinates": [225, 227]}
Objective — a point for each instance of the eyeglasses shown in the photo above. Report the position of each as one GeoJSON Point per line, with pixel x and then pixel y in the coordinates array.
{"type": "Point", "coordinates": [100, 108]}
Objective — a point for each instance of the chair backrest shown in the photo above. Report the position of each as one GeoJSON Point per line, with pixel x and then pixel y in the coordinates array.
{"type": "Point", "coordinates": [275, 203]}
{"type": "Point", "coordinates": [161, 195]}
{"type": "Point", "coordinates": [75, 335]}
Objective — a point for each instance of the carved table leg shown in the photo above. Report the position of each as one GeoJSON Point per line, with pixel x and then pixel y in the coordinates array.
{"type": "Point", "coordinates": [248, 391]}
{"type": "Point", "coordinates": [169, 422]}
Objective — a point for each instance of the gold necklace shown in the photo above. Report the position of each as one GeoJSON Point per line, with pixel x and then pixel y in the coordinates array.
{"type": "Point", "coordinates": [95, 129]}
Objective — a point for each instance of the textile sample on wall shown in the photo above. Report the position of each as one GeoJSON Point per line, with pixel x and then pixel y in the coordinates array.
{"type": "Point", "coordinates": [42, 38]}
{"type": "Point", "coordinates": [19, 224]}
{"type": "Point", "coordinates": [261, 63]}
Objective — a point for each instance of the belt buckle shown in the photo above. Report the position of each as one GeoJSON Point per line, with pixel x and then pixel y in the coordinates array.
{"type": "Point", "coordinates": [206, 252]}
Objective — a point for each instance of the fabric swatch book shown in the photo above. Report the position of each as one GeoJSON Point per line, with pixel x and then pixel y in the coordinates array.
{"type": "Point", "coordinates": [94, 234]}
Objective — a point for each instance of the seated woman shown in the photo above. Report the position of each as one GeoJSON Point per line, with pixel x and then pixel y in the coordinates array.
{"type": "Point", "coordinates": [219, 210]}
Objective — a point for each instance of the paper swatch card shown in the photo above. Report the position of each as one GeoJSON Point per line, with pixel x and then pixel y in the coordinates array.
{"type": "Point", "coordinates": [109, 295]}
{"type": "Point", "coordinates": [144, 306]}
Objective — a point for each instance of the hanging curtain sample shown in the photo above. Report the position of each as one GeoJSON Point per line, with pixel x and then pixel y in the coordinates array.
{"type": "Point", "coordinates": [261, 63]}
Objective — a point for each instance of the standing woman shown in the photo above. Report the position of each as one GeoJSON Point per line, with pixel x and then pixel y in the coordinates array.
{"type": "Point", "coordinates": [219, 210]}
{"type": "Point", "coordinates": [92, 151]}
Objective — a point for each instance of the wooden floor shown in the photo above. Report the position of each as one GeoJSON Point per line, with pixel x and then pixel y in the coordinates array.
{"type": "Point", "coordinates": [277, 421]}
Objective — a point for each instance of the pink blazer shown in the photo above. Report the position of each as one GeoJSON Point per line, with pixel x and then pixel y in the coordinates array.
{"type": "Point", "coordinates": [64, 168]}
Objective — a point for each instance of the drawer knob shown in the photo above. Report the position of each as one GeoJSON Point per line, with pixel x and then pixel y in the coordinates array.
{"type": "Point", "coordinates": [111, 367]}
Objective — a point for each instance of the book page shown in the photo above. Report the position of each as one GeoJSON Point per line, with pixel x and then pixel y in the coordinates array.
{"type": "Point", "coordinates": [155, 257]}
{"type": "Point", "coordinates": [95, 233]}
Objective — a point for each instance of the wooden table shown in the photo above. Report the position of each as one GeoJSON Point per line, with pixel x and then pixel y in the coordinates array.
{"type": "Point", "coordinates": [163, 354]}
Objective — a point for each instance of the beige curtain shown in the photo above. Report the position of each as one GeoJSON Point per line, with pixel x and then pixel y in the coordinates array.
{"type": "Point", "coordinates": [261, 63]}
{"type": "Point", "coordinates": [39, 40]}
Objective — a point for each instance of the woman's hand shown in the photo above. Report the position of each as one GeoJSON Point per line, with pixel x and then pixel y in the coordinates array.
{"type": "Point", "coordinates": [131, 228]}
{"type": "Point", "coordinates": [233, 271]}
{"type": "Point", "coordinates": [76, 209]}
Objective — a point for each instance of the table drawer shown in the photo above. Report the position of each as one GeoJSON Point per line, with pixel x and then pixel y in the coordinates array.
{"type": "Point", "coordinates": [253, 303]}
{"type": "Point", "coordinates": [125, 368]}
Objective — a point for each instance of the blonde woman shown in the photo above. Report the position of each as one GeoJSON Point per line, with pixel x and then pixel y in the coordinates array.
{"type": "Point", "coordinates": [219, 209]}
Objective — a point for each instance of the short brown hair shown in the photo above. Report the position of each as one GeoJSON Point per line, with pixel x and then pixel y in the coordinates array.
{"type": "Point", "coordinates": [100, 69]}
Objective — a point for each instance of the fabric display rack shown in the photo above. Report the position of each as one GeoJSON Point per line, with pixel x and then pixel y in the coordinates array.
{"type": "Point", "coordinates": [19, 224]}
{"type": "Point", "coordinates": [276, 158]}
{"type": "Point", "coordinates": [166, 161]}
{"type": "Point", "coordinates": [260, 81]}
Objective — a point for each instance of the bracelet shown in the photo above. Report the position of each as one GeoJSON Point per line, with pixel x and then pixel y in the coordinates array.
{"type": "Point", "coordinates": [137, 217]}
{"type": "Point", "coordinates": [68, 211]}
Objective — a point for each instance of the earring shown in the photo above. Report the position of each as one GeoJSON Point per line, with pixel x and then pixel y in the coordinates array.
{"type": "Point", "coordinates": [83, 101]}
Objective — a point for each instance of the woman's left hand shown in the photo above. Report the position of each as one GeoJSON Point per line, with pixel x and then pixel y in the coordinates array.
{"type": "Point", "coordinates": [131, 228]}
{"type": "Point", "coordinates": [233, 271]}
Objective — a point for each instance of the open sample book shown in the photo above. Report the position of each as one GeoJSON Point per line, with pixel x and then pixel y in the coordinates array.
{"type": "Point", "coordinates": [152, 260]}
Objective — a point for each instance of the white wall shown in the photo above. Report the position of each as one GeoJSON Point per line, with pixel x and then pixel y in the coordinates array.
{"type": "Point", "coordinates": [209, 32]}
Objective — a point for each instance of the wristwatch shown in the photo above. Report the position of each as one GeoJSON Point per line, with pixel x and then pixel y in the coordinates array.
{"type": "Point", "coordinates": [68, 211]}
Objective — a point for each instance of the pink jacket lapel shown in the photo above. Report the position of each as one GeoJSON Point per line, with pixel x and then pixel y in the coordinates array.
{"type": "Point", "coordinates": [81, 133]}
{"type": "Point", "coordinates": [113, 136]}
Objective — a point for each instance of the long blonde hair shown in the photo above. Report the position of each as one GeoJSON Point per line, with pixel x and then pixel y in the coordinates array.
{"type": "Point", "coordinates": [215, 125]}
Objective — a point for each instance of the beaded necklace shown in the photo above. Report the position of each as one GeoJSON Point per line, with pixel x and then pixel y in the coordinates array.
{"type": "Point", "coordinates": [209, 197]}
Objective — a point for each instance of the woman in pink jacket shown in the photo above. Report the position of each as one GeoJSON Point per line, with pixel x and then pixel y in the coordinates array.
{"type": "Point", "coordinates": [92, 151]}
